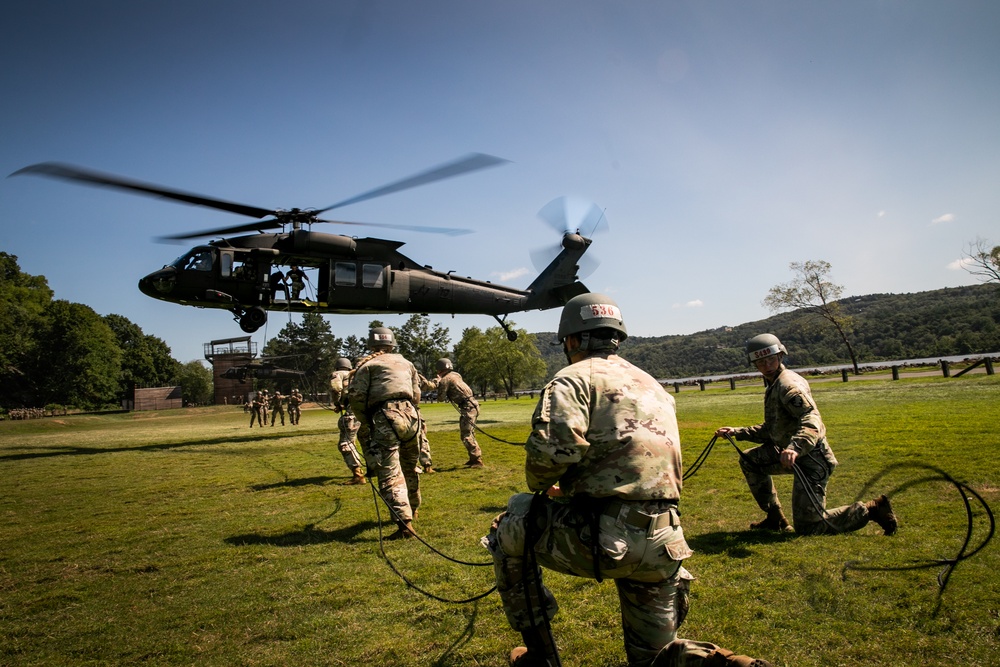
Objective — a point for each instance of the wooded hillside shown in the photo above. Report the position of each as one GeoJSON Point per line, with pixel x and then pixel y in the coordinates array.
{"type": "Point", "coordinates": [951, 321]}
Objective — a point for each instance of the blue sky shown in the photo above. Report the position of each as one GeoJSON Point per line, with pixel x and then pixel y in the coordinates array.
{"type": "Point", "coordinates": [724, 139]}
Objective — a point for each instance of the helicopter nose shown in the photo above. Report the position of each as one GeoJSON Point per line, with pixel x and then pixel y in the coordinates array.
{"type": "Point", "coordinates": [159, 284]}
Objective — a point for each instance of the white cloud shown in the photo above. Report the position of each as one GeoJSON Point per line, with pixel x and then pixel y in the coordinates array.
{"type": "Point", "coordinates": [947, 217]}
{"type": "Point", "coordinates": [697, 303]}
{"type": "Point", "coordinates": [960, 264]}
{"type": "Point", "coordinates": [882, 214]}
{"type": "Point", "coordinates": [506, 276]}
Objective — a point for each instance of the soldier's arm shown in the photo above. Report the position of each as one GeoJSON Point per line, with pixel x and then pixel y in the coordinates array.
{"type": "Point", "coordinates": [558, 437]}
{"type": "Point", "coordinates": [801, 408]}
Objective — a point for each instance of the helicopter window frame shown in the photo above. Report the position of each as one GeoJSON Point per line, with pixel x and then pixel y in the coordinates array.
{"type": "Point", "coordinates": [372, 275]}
{"type": "Point", "coordinates": [226, 263]}
{"type": "Point", "coordinates": [345, 274]}
{"type": "Point", "coordinates": [195, 260]}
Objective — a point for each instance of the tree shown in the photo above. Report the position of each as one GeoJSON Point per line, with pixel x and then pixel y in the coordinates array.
{"type": "Point", "coordinates": [195, 380]}
{"type": "Point", "coordinates": [488, 360]}
{"type": "Point", "coordinates": [353, 348]}
{"type": "Point", "coordinates": [422, 344]}
{"type": "Point", "coordinates": [146, 359]}
{"type": "Point", "coordinates": [311, 343]}
{"type": "Point", "coordinates": [812, 291]}
{"type": "Point", "coordinates": [982, 261]}
{"type": "Point", "coordinates": [23, 299]}
{"type": "Point", "coordinates": [77, 361]}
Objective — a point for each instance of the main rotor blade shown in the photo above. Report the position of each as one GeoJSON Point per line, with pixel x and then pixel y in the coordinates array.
{"type": "Point", "coordinates": [450, 231]}
{"type": "Point", "coordinates": [464, 165]}
{"type": "Point", "coordinates": [223, 231]}
{"type": "Point", "coordinates": [72, 173]}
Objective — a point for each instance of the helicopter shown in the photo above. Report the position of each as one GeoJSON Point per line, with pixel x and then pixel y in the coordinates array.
{"type": "Point", "coordinates": [355, 275]}
{"type": "Point", "coordinates": [262, 370]}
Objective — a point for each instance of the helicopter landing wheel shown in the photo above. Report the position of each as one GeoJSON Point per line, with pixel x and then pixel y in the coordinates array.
{"type": "Point", "coordinates": [253, 319]}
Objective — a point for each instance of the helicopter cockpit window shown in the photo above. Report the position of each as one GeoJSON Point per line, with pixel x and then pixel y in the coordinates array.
{"type": "Point", "coordinates": [226, 264]}
{"type": "Point", "coordinates": [371, 275]}
{"type": "Point", "coordinates": [196, 260]}
{"type": "Point", "coordinates": [345, 274]}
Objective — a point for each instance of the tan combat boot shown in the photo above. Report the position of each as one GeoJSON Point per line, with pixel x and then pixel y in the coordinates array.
{"type": "Point", "coordinates": [721, 657]}
{"type": "Point", "coordinates": [775, 521]}
{"type": "Point", "coordinates": [475, 462]}
{"type": "Point", "coordinates": [880, 511]}
{"type": "Point", "coordinates": [359, 478]}
{"type": "Point", "coordinates": [404, 532]}
{"type": "Point", "coordinates": [540, 650]}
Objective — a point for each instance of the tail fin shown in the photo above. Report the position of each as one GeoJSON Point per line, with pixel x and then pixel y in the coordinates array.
{"type": "Point", "coordinates": [558, 283]}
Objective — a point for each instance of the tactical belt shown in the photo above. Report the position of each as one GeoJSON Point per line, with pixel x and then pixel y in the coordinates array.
{"type": "Point", "coordinates": [630, 514]}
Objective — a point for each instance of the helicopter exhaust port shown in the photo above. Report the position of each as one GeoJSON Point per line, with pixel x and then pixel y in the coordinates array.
{"type": "Point", "coordinates": [252, 319]}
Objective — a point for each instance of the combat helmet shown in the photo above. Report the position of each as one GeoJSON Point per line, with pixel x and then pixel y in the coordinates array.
{"type": "Point", "coordinates": [764, 345]}
{"type": "Point", "coordinates": [381, 337]}
{"type": "Point", "coordinates": [443, 364]}
{"type": "Point", "coordinates": [342, 364]}
{"type": "Point", "coordinates": [587, 313]}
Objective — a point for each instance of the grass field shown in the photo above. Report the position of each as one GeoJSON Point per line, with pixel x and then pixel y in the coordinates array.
{"type": "Point", "coordinates": [185, 538]}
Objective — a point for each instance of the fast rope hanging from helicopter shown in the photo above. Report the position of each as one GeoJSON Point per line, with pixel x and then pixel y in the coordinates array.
{"type": "Point", "coordinates": [948, 565]}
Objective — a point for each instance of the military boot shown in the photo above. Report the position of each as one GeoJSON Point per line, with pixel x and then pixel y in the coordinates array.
{"type": "Point", "coordinates": [721, 657]}
{"type": "Point", "coordinates": [539, 650]}
{"type": "Point", "coordinates": [880, 511]}
{"type": "Point", "coordinates": [359, 478]}
{"type": "Point", "coordinates": [775, 521]}
{"type": "Point", "coordinates": [475, 462]}
{"type": "Point", "coordinates": [404, 532]}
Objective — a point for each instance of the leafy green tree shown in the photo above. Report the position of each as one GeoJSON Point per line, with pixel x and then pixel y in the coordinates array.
{"type": "Point", "coordinates": [354, 348]}
{"type": "Point", "coordinates": [308, 346]}
{"type": "Point", "coordinates": [146, 359]}
{"type": "Point", "coordinates": [812, 292]}
{"type": "Point", "coordinates": [77, 360]}
{"type": "Point", "coordinates": [488, 360]}
{"type": "Point", "coordinates": [422, 344]}
{"type": "Point", "coordinates": [23, 299]}
{"type": "Point", "coordinates": [196, 383]}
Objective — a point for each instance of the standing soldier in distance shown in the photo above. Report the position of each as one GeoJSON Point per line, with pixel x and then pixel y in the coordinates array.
{"type": "Point", "coordinates": [277, 407]}
{"type": "Point", "coordinates": [792, 436]}
{"type": "Point", "coordinates": [451, 386]}
{"type": "Point", "coordinates": [605, 449]}
{"type": "Point", "coordinates": [424, 445]}
{"type": "Point", "coordinates": [265, 403]}
{"type": "Point", "coordinates": [385, 392]}
{"type": "Point", "coordinates": [294, 406]}
{"type": "Point", "coordinates": [347, 424]}
{"type": "Point", "coordinates": [257, 409]}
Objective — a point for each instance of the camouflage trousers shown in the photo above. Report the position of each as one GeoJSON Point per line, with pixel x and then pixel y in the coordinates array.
{"type": "Point", "coordinates": [809, 513]}
{"type": "Point", "coordinates": [393, 459]}
{"type": "Point", "coordinates": [424, 447]}
{"type": "Point", "coordinates": [645, 565]}
{"type": "Point", "coordinates": [274, 414]}
{"type": "Point", "coordinates": [256, 413]}
{"type": "Point", "coordinates": [468, 412]}
{"type": "Point", "coordinates": [348, 426]}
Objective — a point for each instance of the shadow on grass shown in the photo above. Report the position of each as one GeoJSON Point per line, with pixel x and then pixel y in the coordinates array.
{"type": "Point", "coordinates": [309, 534]}
{"type": "Point", "coordinates": [464, 637]}
{"type": "Point", "coordinates": [305, 481]}
{"type": "Point", "coordinates": [89, 451]}
{"type": "Point", "coordinates": [738, 544]}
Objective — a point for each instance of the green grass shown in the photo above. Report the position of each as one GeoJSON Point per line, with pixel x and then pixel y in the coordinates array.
{"type": "Point", "coordinates": [183, 537]}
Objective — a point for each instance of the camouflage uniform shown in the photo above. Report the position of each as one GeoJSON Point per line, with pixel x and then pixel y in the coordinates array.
{"type": "Point", "coordinates": [792, 421]}
{"type": "Point", "coordinates": [257, 410]}
{"type": "Point", "coordinates": [277, 407]}
{"type": "Point", "coordinates": [424, 445]}
{"type": "Point", "coordinates": [607, 433]}
{"type": "Point", "coordinates": [347, 424]}
{"type": "Point", "coordinates": [451, 387]}
{"type": "Point", "coordinates": [386, 391]}
{"type": "Point", "coordinates": [294, 409]}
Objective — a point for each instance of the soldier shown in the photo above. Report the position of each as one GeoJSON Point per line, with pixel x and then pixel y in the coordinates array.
{"type": "Point", "coordinates": [277, 407]}
{"type": "Point", "coordinates": [793, 437]}
{"type": "Point", "coordinates": [452, 387]}
{"type": "Point", "coordinates": [424, 445]}
{"type": "Point", "coordinates": [297, 278]}
{"type": "Point", "coordinates": [605, 449]}
{"type": "Point", "coordinates": [265, 402]}
{"type": "Point", "coordinates": [386, 391]}
{"type": "Point", "coordinates": [257, 409]}
{"type": "Point", "coordinates": [347, 424]}
{"type": "Point", "coordinates": [294, 406]}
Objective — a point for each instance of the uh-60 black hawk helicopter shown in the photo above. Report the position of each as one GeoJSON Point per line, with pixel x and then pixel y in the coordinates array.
{"type": "Point", "coordinates": [355, 275]}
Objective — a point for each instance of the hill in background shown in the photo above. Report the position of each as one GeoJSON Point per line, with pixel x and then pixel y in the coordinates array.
{"type": "Point", "coordinates": [945, 322]}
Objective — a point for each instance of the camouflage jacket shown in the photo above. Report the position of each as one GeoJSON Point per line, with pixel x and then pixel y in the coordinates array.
{"type": "Point", "coordinates": [791, 418]}
{"type": "Point", "coordinates": [383, 378]}
{"type": "Point", "coordinates": [338, 387]}
{"type": "Point", "coordinates": [452, 387]}
{"type": "Point", "coordinates": [604, 428]}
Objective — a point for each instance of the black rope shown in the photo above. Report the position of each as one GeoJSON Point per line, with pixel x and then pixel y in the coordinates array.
{"type": "Point", "coordinates": [493, 437]}
{"type": "Point", "coordinates": [406, 580]}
